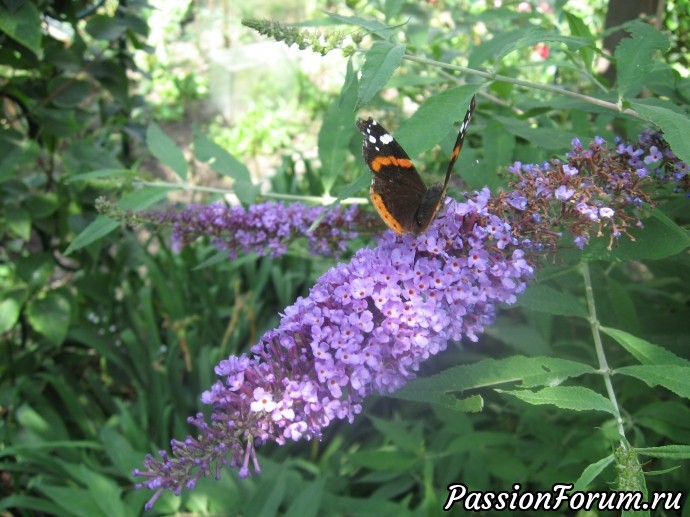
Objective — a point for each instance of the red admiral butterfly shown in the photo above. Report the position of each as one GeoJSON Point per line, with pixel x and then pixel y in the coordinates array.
{"type": "Point", "coordinates": [397, 191]}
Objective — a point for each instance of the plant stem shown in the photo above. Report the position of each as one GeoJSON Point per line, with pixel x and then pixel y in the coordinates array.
{"type": "Point", "coordinates": [528, 84]}
{"type": "Point", "coordinates": [598, 345]}
{"type": "Point", "coordinates": [320, 200]}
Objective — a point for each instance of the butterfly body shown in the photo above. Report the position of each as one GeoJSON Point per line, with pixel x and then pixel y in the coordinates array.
{"type": "Point", "coordinates": [397, 191]}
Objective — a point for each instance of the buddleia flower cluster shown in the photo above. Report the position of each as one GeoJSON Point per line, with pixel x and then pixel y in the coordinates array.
{"type": "Point", "coordinates": [317, 41]}
{"type": "Point", "coordinates": [367, 325]}
{"type": "Point", "coordinates": [266, 229]}
{"type": "Point", "coordinates": [598, 189]}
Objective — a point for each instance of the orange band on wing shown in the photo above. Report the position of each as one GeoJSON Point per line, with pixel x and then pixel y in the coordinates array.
{"type": "Point", "coordinates": [455, 153]}
{"type": "Point", "coordinates": [387, 217]}
{"type": "Point", "coordinates": [383, 161]}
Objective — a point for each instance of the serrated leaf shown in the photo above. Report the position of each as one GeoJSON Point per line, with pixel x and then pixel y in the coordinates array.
{"type": "Point", "coordinates": [575, 398]}
{"type": "Point", "coordinates": [527, 371]}
{"type": "Point", "coordinates": [634, 57]}
{"type": "Point", "coordinates": [50, 316]}
{"type": "Point", "coordinates": [166, 151]}
{"type": "Point", "coordinates": [644, 351]}
{"type": "Point", "coordinates": [23, 26]}
{"type": "Point", "coordinates": [435, 119]}
{"type": "Point", "coordinates": [591, 472]}
{"type": "Point", "coordinates": [674, 123]}
{"type": "Point", "coordinates": [672, 377]}
{"type": "Point", "coordinates": [677, 452]}
{"type": "Point", "coordinates": [380, 61]}
{"type": "Point", "coordinates": [660, 238]}
{"type": "Point", "coordinates": [544, 298]}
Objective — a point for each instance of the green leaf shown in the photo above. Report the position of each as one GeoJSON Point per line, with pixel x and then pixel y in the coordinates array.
{"type": "Point", "coordinates": [675, 452]}
{"type": "Point", "coordinates": [392, 8]}
{"type": "Point", "coordinates": [371, 25]}
{"type": "Point", "coordinates": [98, 229]}
{"type": "Point", "coordinates": [580, 28]}
{"type": "Point", "coordinates": [524, 339]}
{"type": "Point", "coordinates": [40, 505]}
{"type": "Point", "coordinates": [634, 57]}
{"type": "Point", "coordinates": [69, 92]}
{"type": "Point", "coordinates": [269, 496]}
{"type": "Point", "coordinates": [576, 398]}
{"type": "Point", "coordinates": [491, 47]}
{"type": "Point", "coordinates": [50, 316]}
{"type": "Point", "coordinates": [73, 501]}
{"type": "Point", "coordinates": [544, 298]}
{"type": "Point", "coordinates": [675, 123]}
{"type": "Point", "coordinates": [105, 493]}
{"type": "Point", "coordinates": [644, 351]}
{"type": "Point", "coordinates": [308, 500]}
{"type": "Point", "coordinates": [660, 238]}
{"type": "Point", "coordinates": [23, 26]}
{"type": "Point", "coordinates": [165, 149]}
{"type": "Point", "coordinates": [102, 225]}
{"type": "Point", "coordinates": [391, 459]}
{"type": "Point", "coordinates": [435, 119]}
{"type": "Point", "coordinates": [538, 35]}
{"type": "Point", "coordinates": [105, 27]}
{"type": "Point", "coordinates": [19, 223]}
{"type": "Point", "coordinates": [591, 472]}
{"type": "Point", "coordinates": [98, 174]}
{"type": "Point", "coordinates": [541, 137]}
{"type": "Point", "coordinates": [221, 161]}
{"type": "Point", "coordinates": [337, 129]}
{"type": "Point", "coordinates": [381, 60]}
{"type": "Point", "coordinates": [672, 377]}
{"type": "Point", "coordinates": [144, 198]}
{"type": "Point", "coordinates": [11, 301]}
{"type": "Point", "coordinates": [527, 371]}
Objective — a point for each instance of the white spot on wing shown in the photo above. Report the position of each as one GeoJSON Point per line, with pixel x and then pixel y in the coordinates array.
{"type": "Point", "coordinates": [386, 139]}
{"type": "Point", "coordinates": [372, 139]}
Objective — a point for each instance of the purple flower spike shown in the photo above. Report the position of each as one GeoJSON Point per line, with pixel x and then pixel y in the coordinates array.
{"type": "Point", "coordinates": [365, 327]}
{"type": "Point", "coordinates": [265, 228]}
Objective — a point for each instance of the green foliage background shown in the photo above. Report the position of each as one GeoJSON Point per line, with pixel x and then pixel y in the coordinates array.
{"type": "Point", "coordinates": [108, 337]}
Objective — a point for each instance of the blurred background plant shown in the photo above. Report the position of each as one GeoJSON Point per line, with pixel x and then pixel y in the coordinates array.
{"type": "Point", "coordinates": [109, 337]}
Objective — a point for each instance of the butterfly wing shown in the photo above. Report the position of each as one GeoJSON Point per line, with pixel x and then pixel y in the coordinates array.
{"type": "Point", "coordinates": [396, 188]}
{"type": "Point", "coordinates": [459, 140]}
